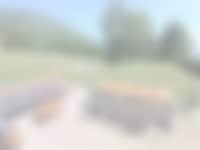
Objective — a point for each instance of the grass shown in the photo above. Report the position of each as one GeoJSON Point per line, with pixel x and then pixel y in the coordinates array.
{"type": "Point", "coordinates": [17, 67]}
{"type": "Point", "coordinates": [147, 72]}
{"type": "Point", "coordinates": [21, 66]}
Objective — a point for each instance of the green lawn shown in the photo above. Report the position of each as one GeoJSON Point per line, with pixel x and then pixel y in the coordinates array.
{"type": "Point", "coordinates": [21, 66]}
{"type": "Point", "coordinates": [148, 73]}
{"type": "Point", "coordinates": [17, 67]}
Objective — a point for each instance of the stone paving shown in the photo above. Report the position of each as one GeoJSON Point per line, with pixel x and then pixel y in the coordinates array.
{"type": "Point", "coordinates": [74, 130]}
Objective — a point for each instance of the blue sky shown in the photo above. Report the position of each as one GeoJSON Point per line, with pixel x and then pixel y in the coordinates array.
{"type": "Point", "coordinates": [85, 14]}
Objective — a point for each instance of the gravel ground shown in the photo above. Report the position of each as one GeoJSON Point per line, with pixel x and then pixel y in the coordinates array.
{"type": "Point", "coordinates": [73, 130]}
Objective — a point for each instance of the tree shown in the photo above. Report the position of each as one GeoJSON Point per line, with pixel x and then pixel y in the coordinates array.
{"type": "Point", "coordinates": [128, 35]}
{"type": "Point", "coordinates": [176, 44]}
{"type": "Point", "coordinates": [139, 36]}
{"type": "Point", "coordinates": [113, 28]}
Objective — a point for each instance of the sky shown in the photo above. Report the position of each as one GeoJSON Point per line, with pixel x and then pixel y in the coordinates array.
{"type": "Point", "coordinates": [85, 14]}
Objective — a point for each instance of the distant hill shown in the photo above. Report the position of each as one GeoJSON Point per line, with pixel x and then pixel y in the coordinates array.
{"type": "Point", "coordinates": [26, 30]}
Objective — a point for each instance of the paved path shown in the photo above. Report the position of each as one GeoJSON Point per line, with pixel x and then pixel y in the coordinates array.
{"type": "Point", "coordinates": [71, 130]}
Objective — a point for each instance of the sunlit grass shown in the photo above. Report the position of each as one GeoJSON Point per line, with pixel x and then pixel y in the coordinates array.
{"type": "Point", "coordinates": [26, 66]}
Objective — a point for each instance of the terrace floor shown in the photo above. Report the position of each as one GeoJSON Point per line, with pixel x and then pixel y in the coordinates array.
{"type": "Point", "coordinates": [73, 130]}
